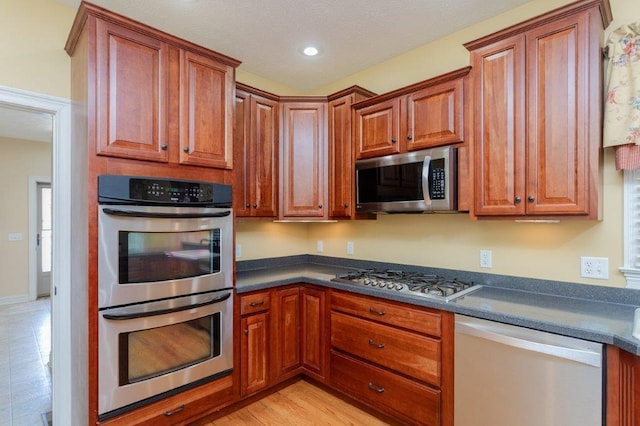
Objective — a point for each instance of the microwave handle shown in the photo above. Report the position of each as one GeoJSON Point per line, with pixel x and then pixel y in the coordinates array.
{"type": "Point", "coordinates": [129, 213]}
{"type": "Point", "coordinates": [426, 171]}
{"type": "Point", "coordinates": [128, 313]}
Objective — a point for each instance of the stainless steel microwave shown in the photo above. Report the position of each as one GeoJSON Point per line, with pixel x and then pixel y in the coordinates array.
{"type": "Point", "coordinates": [414, 182]}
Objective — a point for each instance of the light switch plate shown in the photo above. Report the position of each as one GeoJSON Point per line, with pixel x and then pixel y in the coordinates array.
{"type": "Point", "coordinates": [15, 236]}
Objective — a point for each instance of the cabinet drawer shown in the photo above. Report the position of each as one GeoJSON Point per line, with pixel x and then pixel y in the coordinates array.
{"type": "Point", "coordinates": [255, 302]}
{"type": "Point", "coordinates": [388, 313]}
{"type": "Point", "coordinates": [392, 394]}
{"type": "Point", "coordinates": [408, 353]}
{"type": "Point", "coordinates": [181, 408]}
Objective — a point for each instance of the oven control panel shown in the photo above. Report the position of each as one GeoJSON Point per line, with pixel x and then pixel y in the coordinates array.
{"type": "Point", "coordinates": [117, 189]}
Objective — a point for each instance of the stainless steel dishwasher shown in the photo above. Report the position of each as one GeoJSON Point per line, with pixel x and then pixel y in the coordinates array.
{"type": "Point", "coordinates": [507, 375]}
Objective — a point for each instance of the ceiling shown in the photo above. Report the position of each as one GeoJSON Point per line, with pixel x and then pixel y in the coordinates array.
{"type": "Point", "coordinates": [25, 124]}
{"type": "Point", "coordinates": [268, 35]}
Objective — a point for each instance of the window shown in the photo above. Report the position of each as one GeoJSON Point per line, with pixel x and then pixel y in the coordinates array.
{"type": "Point", "coordinates": [631, 268]}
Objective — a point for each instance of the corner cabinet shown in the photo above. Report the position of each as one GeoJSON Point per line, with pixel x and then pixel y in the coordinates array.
{"type": "Point", "coordinates": [623, 386]}
{"type": "Point", "coordinates": [255, 192]}
{"type": "Point", "coordinates": [341, 158]}
{"type": "Point", "coordinates": [303, 159]}
{"type": "Point", "coordinates": [537, 115]}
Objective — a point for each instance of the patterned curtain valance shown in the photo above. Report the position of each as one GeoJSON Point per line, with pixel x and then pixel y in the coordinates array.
{"type": "Point", "coordinates": [622, 103]}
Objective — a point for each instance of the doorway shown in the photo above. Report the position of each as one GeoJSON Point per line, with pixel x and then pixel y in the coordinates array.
{"type": "Point", "coordinates": [43, 238]}
{"type": "Point", "coordinates": [69, 389]}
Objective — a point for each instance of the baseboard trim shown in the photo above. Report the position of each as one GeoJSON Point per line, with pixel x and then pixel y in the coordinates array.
{"type": "Point", "coordinates": [8, 300]}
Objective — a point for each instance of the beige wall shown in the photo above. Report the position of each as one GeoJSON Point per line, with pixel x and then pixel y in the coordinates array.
{"type": "Point", "coordinates": [546, 251]}
{"type": "Point", "coordinates": [33, 34]}
{"type": "Point", "coordinates": [19, 160]}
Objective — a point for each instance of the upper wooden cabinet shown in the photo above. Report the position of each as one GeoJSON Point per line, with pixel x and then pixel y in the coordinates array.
{"type": "Point", "coordinates": [132, 81]}
{"type": "Point", "coordinates": [424, 115]}
{"type": "Point", "coordinates": [206, 111]}
{"type": "Point", "coordinates": [152, 96]}
{"type": "Point", "coordinates": [341, 159]}
{"type": "Point", "coordinates": [537, 115]}
{"type": "Point", "coordinates": [255, 137]}
{"type": "Point", "coordinates": [303, 159]}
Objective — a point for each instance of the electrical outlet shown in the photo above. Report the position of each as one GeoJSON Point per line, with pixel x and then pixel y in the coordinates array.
{"type": "Point", "coordinates": [350, 247]}
{"type": "Point", "coordinates": [319, 246]}
{"type": "Point", "coordinates": [485, 259]}
{"type": "Point", "coordinates": [594, 267]}
{"type": "Point", "coordinates": [238, 250]}
{"type": "Point", "coordinates": [15, 236]}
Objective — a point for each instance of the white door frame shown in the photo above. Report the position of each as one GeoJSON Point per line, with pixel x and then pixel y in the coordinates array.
{"type": "Point", "coordinates": [33, 229]}
{"type": "Point", "coordinates": [63, 360]}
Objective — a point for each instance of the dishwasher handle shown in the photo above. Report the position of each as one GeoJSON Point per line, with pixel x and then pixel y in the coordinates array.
{"type": "Point", "coordinates": [505, 335]}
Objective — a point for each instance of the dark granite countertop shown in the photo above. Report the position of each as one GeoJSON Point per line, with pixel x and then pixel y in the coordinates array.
{"type": "Point", "coordinates": [599, 314]}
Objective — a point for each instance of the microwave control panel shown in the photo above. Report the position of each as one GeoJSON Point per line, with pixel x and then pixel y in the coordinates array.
{"type": "Point", "coordinates": [437, 180]}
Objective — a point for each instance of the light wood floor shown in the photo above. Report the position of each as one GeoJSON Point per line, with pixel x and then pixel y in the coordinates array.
{"type": "Point", "coordinates": [299, 404]}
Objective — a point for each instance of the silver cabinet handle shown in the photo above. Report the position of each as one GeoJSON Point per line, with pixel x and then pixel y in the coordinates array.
{"type": "Point", "coordinates": [375, 388]}
{"type": "Point", "coordinates": [375, 311]}
{"type": "Point", "coordinates": [254, 304]}
{"type": "Point", "coordinates": [174, 411]}
{"type": "Point", "coordinates": [376, 345]}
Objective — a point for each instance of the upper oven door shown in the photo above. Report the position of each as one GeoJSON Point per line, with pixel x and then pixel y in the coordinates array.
{"type": "Point", "coordinates": [148, 253]}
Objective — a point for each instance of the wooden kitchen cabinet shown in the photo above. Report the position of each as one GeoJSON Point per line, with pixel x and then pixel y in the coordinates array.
{"type": "Point", "coordinates": [537, 115]}
{"type": "Point", "coordinates": [286, 333]}
{"type": "Point", "coordinates": [146, 85]}
{"type": "Point", "coordinates": [391, 356]}
{"type": "Point", "coordinates": [341, 158]}
{"type": "Point", "coordinates": [182, 408]}
{"type": "Point", "coordinates": [622, 387]}
{"type": "Point", "coordinates": [256, 153]}
{"type": "Point", "coordinates": [132, 81]}
{"type": "Point", "coordinates": [303, 159]}
{"type": "Point", "coordinates": [206, 108]}
{"type": "Point", "coordinates": [314, 333]}
{"type": "Point", "coordinates": [254, 342]}
{"type": "Point", "coordinates": [424, 115]}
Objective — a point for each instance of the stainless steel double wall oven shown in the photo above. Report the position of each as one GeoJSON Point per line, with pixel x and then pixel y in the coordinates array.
{"type": "Point", "coordinates": [165, 278]}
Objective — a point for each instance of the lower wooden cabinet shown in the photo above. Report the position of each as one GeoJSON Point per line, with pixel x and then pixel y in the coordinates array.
{"type": "Point", "coordinates": [313, 339]}
{"type": "Point", "coordinates": [286, 333]}
{"type": "Point", "coordinates": [254, 342]}
{"type": "Point", "coordinates": [397, 396]}
{"type": "Point", "coordinates": [623, 388]}
{"type": "Point", "coordinates": [393, 357]}
{"type": "Point", "coordinates": [182, 408]}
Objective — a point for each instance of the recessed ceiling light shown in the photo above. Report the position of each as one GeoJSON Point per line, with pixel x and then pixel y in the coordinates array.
{"type": "Point", "coordinates": [310, 51]}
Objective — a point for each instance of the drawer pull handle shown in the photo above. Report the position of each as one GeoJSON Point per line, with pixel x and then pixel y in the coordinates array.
{"type": "Point", "coordinates": [254, 304]}
{"type": "Point", "coordinates": [375, 311]}
{"type": "Point", "coordinates": [377, 345]}
{"type": "Point", "coordinates": [175, 411]}
{"type": "Point", "coordinates": [375, 388]}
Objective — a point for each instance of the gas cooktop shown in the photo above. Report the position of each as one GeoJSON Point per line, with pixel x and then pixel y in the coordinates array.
{"type": "Point", "coordinates": [414, 283]}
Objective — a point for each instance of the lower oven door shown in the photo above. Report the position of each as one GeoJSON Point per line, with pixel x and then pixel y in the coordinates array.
{"type": "Point", "coordinates": [149, 350]}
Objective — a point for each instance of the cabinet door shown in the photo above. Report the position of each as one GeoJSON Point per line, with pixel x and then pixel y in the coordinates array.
{"type": "Point", "coordinates": [499, 96]}
{"type": "Point", "coordinates": [131, 94]}
{"type": "Point", "coordinates": [314, 343]}
{"type": "Point", "coordinates": [263, 158]}
{"type": "Point", "coordinates": [242, 167]}
{"type": "Point", "coordinates": [206, 105]}
{"type": "Point", "coordinates": [435, 115]}
{"type": "Point", "coordinates": [303, 170]}
{"type": "Point", "coordinates": [377, 129]}
{"type": "Point", "coordinates": [254, 352]}
{"type": "Point", "coordinates": [561, 90]}
{"type": "Point", "coordinates": [286, 348]}
{"type": "Point", "coordinates": [341, 173]}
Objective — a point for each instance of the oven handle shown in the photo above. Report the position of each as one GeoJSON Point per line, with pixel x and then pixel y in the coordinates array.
{"type": "Point", "coordinates": [129, 213]}
{"type": "Point", "coordinates": [141, 314]}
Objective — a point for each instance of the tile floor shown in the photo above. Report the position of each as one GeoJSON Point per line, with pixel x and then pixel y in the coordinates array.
{"type": "Point", "coordinates": [25, 380]}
